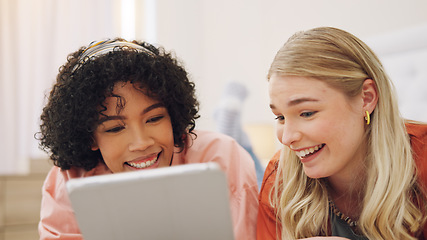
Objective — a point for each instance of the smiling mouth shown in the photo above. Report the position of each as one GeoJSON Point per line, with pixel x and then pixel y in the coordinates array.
{"type": "Point", "coordinates": [309, 151]}
{"type": "Point", "coordinates": [145, 164]}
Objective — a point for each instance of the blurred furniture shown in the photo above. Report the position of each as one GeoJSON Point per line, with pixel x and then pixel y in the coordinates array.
{"type": "Point", "coordinates": [20, 197]}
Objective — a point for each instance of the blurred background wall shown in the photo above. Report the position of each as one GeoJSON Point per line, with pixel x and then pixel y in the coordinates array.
{"type": "Point", "coordinates": [218, 41]}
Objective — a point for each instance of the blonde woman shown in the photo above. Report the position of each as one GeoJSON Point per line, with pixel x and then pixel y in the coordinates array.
{"type": "Point", "coordinates": [350, 168]}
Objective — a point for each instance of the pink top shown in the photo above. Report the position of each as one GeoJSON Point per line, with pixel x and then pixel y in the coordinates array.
{"type": "Point", "coordinates": [57, 220]}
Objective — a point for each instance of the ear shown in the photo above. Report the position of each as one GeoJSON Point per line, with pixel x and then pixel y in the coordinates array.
{"type": "Point", "coordinates": [94, 145]}
{"type": "Point", "coordinates": [369, 95]}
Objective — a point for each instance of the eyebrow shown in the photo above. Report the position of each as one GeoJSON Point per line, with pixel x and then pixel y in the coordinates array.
{"type": "Point", "coordinates": [301, 100]}
{"type": "Point", "coordinates": [297, 101]}
{"type": "Point", "coordinates": [118, 117]}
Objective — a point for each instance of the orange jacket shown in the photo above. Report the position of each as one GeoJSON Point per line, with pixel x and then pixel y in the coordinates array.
{"type": "Point", "coordinates": [266, 224]}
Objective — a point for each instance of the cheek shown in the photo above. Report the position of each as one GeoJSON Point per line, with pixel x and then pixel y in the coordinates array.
{"type": "Point", "coordinates": [341, 131]}
{"type": "Point", "coordinates": [279, 132]}
{"type": "Point", "coordinates": [110, 148]}
{"type": "Point", "coordinates": [109, 152]}
{"type": "Point", "coordinates": [166, 133]}
{"type": "Point", "coordinates": [325, 130]}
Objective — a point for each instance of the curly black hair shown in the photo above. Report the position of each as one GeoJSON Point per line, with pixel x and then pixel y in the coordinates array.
{"type": "Point", "coordinates": [73, 109]}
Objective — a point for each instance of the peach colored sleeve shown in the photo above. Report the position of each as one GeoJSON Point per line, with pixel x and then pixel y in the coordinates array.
{"type": "Point", "coordinates": [244, 194]}
{"type": "Point", "coordinates": [57, 219]}
{"type": "Point", "coordinates": [240, 171]}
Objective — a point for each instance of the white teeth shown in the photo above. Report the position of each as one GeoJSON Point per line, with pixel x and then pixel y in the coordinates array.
{"type": "Point", "coordinates": [304, 153]}
{"type": "Point", "coordinates": [143, 164]}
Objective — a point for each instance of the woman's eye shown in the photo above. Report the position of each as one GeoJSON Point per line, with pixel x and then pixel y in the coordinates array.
{"type": "Point", "coordinates": [307, 114]}
{"type": "Point", "coordinates": [155, 119]}
{"type": "Point", "coordinates": [115, 129]}
{"type": "Point", "coordinates": [279, 118]}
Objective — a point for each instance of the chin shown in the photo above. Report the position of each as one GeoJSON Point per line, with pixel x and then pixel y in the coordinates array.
{"type": "Point", "coordinates": [315, 175]}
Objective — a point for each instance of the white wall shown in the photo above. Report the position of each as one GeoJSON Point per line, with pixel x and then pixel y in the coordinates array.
{"type": "Point", "coordinates": [222, 39]}
{"type": "Point", "coordinates": [35, 39]}
{"type": "Point", "coordinates": [218, 40]}
{"type": "Point", "coordinates": [404, 56]}
{"type": "Point", "coordinates": [237, 39]}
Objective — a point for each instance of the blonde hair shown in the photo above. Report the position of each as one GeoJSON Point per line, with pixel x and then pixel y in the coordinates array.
{"type": "Point", "coordinates": [389, 208]}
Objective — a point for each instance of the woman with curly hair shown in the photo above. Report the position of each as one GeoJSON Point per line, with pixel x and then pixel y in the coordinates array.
{"type": "Point", "coordinates": [350, 167]}
{"type": "Point", "coordinates": [123, 106]}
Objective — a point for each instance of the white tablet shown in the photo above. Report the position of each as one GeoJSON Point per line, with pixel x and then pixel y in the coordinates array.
{"type": "Point", "coordinates": [182, 202]}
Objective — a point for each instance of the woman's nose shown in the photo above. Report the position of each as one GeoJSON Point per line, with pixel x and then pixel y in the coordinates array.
{"type": "Point", "coordinates": [140, 140]}
{"type": "Point", "coordinates": [289, 134]}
